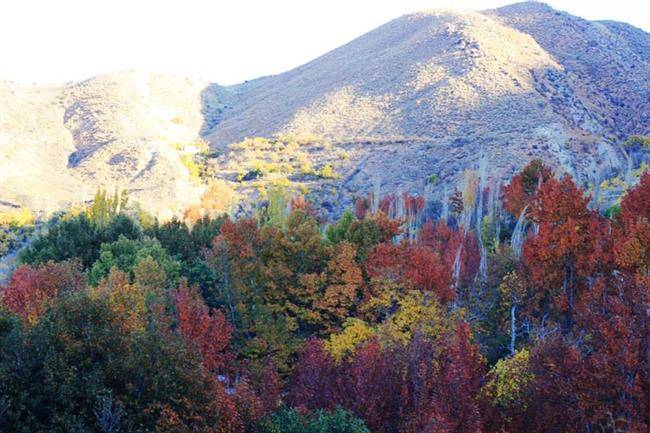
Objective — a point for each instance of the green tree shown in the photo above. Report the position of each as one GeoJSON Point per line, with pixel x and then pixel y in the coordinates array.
{"type": "Point", "coordinates": [338, 232]}
{"type": "Point", "coordinates": [105, 207]}
{"type": "Point", "coordinates": [126, 254]}
{"type": "Point", "coordinates": [78, 238]}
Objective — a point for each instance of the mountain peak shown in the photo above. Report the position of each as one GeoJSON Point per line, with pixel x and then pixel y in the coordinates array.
{"type": "Point", "coordinates": [528, 6]}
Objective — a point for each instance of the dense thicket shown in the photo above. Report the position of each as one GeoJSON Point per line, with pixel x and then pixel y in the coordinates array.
{"type": "Point", "coordinates": [478, 317]}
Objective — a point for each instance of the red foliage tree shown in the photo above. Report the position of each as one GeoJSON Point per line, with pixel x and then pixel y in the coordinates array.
{"type": "Point", "coordinates": [592, 282]}
{"type": "Point", "coordinates": [417, 387]}
{"type": "Point", "coordinates": [313, 383]}
{"type": "Point", "coordinates": [571, 248]}
{"type": "Point", "coordinates": [613, 372]}
{"type": "Point", "coordinates": [208, 331]}
{"type": "Point", "coordinates": [446, 241]}
{"type": "Point", "coordinates": [636, 203]}
{"type": "Point", "coordinates": [552, 401]}
{"type": "Point", "coordinates": [632, 248]}
{"type": "Point", "coordinates": [412, 266]}
{"type": "Point", "coordinates": [459, 382]}
{"type": "Point", "coordinates": [371, 384]}
{"type": "Point", "coordinates": [426, 265]}
{"type": "Point", "coordinates": [523, 186]}
{"type": "Point", "coordinates": [31, 289]}
{"type": "Point", "coordinates": [388, 261]}
{"type": "Point", "coordinates": [240, 236]}
{"type": "Point", "coordinates": [428, 271]}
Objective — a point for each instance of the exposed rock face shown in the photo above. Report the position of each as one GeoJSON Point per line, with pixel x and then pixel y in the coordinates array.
{"type": "Point", "coordinates": [427, 93]}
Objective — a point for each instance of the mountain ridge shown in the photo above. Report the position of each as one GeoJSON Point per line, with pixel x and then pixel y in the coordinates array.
{"type": "Point", "coordinates": [426, 94]}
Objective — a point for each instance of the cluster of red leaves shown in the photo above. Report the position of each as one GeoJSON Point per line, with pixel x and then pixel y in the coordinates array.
{"type": "Point", "coordinates": [208, 331]}
{"type": "Point", "coordinates": [426, 265]}
{"type": "Point", "coordinates": [31, 289]}
{"type": "Point", "coordinates": [571, 248]}
{"type": "Point", "coordinates": [418, 387]}
{"type": "Point", "coordinates": [523, 186]}
{"type": "Point", "coordinates": [632, 247]}
{"type": "Point", "coordinates": [239, 400]}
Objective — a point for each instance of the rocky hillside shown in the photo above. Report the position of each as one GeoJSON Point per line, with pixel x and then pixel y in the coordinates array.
{"type": "Point", "coordinates": [607, 63]}
{"type": "Point", "coordinates": [418, 100]}
{"type": "Point", "coordinates": [119, 131]}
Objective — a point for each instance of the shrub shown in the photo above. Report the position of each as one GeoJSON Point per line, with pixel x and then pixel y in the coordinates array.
{"type": "Point", "coordinates": [17, 218]}
{"type": "Point", "coordinates": [328, 172]}
{"type": "Point", "coordinates": [638, 140]}
{"type": "Point", "coordinates": [508, 379]}
{"type": "Point", "coordinates": [194, 158]}
{"type": "Point", "coordinates": [192, 168]}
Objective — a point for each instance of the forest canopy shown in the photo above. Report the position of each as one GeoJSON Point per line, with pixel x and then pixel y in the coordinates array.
{"type": "Point", "coordinates": [521, 310]}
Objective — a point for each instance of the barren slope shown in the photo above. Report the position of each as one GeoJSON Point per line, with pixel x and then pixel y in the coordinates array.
{"type": "Point", "coordinates": [121, 130]}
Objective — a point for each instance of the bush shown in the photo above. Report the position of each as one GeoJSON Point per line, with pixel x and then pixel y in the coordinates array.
{"type": "Point", "coordinates": [638, 140]}
{"type": "Point", "coordinates": [328, 172]}
{"type": "Point", "coordinates": [192, 168]}
{"type": "Point", "coordinates": [219, 198]}
{"type": "Point", "coordinates": [12, 237]}
{"type": "Point", "coordinates": [17, 218]}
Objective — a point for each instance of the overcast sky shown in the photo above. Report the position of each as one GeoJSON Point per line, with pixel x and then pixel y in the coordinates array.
{"type": "Point", "coordinates": [225, 41]}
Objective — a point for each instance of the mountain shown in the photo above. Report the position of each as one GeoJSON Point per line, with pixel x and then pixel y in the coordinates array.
{"type": "Point", "coordinates": [418, 100]}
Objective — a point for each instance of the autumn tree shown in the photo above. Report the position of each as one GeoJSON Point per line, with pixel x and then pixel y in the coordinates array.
{"type": "Point", "coordinates": [342, 287]}
{"type": "Point", "coordinates": [60, 373]}
{"type": "Point", "coordinates": [207, 331]}
{"type": "Point", "coordinates": [570, 249]}
{"type": "Point", "coordinates": [523, 186]}
{"type": "Point", "coordinates": [31, 290]}
{"type": "Point", "coordinates": [313, 383]}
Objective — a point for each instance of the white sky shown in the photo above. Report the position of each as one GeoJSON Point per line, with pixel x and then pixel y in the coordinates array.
{"type": "Point", "coordinates": [225, 41]}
